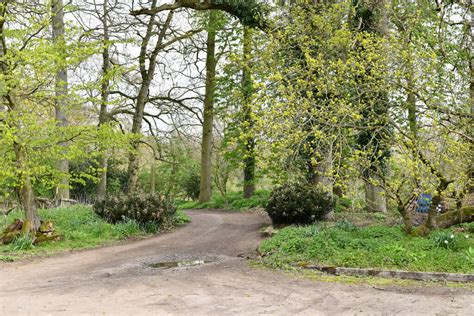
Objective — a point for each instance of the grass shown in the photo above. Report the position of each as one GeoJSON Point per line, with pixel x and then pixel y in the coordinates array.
{"type": "Point", "coordinates": [376, 246]}
{"type": "Point", "coordinates": [233, 201]}
{"type": "Point", "coordinates": [80, 228]}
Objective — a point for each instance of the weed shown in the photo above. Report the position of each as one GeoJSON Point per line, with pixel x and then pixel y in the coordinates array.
{"type": "Point", "coordinates": [345, 225]}
{"type": "Point", "coordinates": [181, 218]}
{"type": "Point", "coordinates": [22, 242]}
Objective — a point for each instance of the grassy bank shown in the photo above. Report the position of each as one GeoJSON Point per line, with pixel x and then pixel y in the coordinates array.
{"type": "Point", "coordinates": [232, 201]}
{"type": "Point", "coordinates": [345, 245]}
{"type": "Point", "coordinates": [80, 228]}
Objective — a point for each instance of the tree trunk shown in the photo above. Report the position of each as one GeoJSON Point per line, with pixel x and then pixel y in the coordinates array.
{"type": "Point", "coordinates": [61, 92]}
{"type": "Point", "coordinates": [375, 198]}
{"type": "Point", "coordinates": [370, 17]}
{"type": "Point", "coordinates": [471, 99]}
{"type": "Point", "coordinates": [248, 123]}
{"type": "Point", "coordinates": [27, 196]}
{"type": "Point", "coordinates": [103, 114]}
{"type": "Point", "coordinates": [206, 147]}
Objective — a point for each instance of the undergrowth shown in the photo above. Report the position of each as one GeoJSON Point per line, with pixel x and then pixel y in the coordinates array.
{"type": "Point", "coordinates": [375, 246]}
{"type": "Point", "coordinates": [232, 201]}
{"type": "Point", "coordinates": [79, 228]}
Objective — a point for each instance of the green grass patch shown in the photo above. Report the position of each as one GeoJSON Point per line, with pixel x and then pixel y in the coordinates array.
{"type": "Point", "coordinates": [80, 228]}
{"type": "Point", "coordinates": [375, 246]}
{"type": "Point", "coordinates": [233, 201]}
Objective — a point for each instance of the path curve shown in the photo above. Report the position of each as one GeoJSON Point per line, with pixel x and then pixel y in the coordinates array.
{"type": "Point", "coordinates": [117, 280]}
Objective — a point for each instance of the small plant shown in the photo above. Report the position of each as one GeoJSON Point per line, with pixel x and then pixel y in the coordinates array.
{"type": "Point", "coordinates": [180, 218]}
{"type": "Point", "coordinates": [128, 228]}
{"type": "Point", "coordinates": [470, 255]}
{"type": "Point", "coordinates": [345, 225]}
{"type": "Point", "coordinates": [311, 231]}
{"type": "Point", "coordinates": [298, 204]}
{"type": "Point", "coordinates": [22, 242]}
{"type": "Point", "coordinates": [444, 239]}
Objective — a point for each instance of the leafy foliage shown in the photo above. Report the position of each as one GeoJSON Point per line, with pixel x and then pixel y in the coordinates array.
{"type": "Point", "coordinates": [141, 208]}
{"type": "Point", "coordinates": [191, 186]}
{"type": "Point", "coordinates": [298, 204]}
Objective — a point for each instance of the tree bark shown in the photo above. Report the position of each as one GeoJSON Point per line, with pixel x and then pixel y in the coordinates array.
{"type": "Point", "coordinates": [249, 141]}
{"type": "Point", "coordinates": [32, 221]}
{"type": "Point", "coordinates": [61, 92]}
{"type": "Point", "coordinates": [104, 99]}
{"type": "Point", "coordinates": [375, 198]}
{"type": "Point", "coordinates": [471, 97]}
{"type": "Point", "coordinates": [205, 190]}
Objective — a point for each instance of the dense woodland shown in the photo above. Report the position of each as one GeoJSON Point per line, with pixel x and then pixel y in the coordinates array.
{"type": "Point", "coordinates": [366, 101]}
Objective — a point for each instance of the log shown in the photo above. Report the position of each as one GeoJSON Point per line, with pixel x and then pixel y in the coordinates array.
{"type": "Point", "coordinates": [448, 219]}
{"type": "Point", "coordinates": [44, 233]}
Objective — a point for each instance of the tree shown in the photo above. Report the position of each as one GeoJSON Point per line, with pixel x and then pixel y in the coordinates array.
{"type": "Point", "coordinates": [248, 124]}
{"type": "Point", "coordinates": [61, 90]}
{"type": "Point", "coordinates": [166, 37]}
{"type": "Point", "coordinates": [207, 127]}
{"type": "Point", "coordinates": [370, 17]}
{"type": "Point", "coordinates": [31, 141]}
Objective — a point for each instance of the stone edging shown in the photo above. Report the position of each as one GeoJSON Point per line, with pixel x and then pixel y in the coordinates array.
{"type": "Point", "coordinates": [412, 275]}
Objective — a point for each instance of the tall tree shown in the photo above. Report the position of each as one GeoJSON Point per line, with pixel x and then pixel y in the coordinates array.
{"type": "Point", "coordinates": [61, 90]}
{"type": "Point", "coordinates": [147, 75]}
{"type": "Point", "coordinates": [248, 121]}
{"type": "Point", "coordinates": [104, 96]}
{"type": "Point", "coordinates": [205, 187]}
{"type": "Point", "coordinates": [370, 17]}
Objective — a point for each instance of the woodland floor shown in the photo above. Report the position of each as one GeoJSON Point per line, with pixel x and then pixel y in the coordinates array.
{"type": "Point", "coordinates": [118, 280]}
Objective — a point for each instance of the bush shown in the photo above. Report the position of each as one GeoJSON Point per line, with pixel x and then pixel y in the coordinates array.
{"type": "Point", "coordinates": [298, 204]}
{"type": "Point", "coordinates": [138, 207]}
{"type": "Point", "coordinates": [191, 186]}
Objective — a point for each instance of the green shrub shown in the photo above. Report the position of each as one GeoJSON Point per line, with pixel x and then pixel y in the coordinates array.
{"type": "Point", "coordinates": [139, 207]}
{"type": "Point", "coordinates": [298, 204]}
{"type": "Point", "coordinates": [191, 186]}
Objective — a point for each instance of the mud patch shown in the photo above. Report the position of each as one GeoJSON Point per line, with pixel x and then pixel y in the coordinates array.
{"type": "Point", "coordinates": [178, 264]}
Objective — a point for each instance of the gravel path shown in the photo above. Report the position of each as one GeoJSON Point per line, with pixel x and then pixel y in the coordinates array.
{"type": "Point", "coordinates": [118, 280]}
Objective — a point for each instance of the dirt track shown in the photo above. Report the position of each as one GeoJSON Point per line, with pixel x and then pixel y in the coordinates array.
{"type": "Point", "coordinates": [117, 280]}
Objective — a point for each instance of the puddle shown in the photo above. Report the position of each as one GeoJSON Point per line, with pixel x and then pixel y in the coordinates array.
{"type": "Point", "coordinates": [177, 264]}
